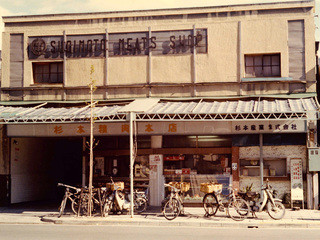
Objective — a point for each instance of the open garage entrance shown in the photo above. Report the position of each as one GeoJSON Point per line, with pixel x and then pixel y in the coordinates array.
{"type": "Point", "coordinates": [38, 164]}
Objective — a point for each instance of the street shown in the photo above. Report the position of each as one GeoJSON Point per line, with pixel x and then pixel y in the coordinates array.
{"type": "Point", "coordinates": [61, 232]}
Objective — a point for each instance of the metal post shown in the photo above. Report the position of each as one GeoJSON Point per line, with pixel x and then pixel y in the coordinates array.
{"type": "Point", "coordinates": [261, 160]}
{"type": "Point", "coordinates": [83, 162]}
{"type": "Point", "coordinates": [132, 116]}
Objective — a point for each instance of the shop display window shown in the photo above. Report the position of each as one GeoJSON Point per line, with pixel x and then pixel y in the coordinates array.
{"type": "Point", "coordinates": [272, 167]}
{"type": "Point", "coordinates": [197, 169]}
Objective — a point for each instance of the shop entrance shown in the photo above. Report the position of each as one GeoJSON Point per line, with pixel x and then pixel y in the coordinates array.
{"type": "Point", "coordinates": [38, 164]}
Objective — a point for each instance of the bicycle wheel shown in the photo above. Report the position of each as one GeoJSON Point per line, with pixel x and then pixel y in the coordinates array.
{"type": "Point", "coordinates": [75, 205]}
{"type": "Point", "coordinates": [277, 210]}
{"type": "Point", "coordinates": [62, 206]}
{"type": "Point", "coordinates": [107, 208]}
{"type": "Point", "coordinates": [171, 209]}
{"type": "Point", "coordinates": [238, 209]}
{"type": "Point", "coordinates": [210, 204]}
{"type": "Point", "coordinates": [140, 204]}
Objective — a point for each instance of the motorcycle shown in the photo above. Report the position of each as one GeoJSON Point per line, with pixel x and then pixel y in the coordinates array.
{"type": "Point", "coordinates": [117, 201]}
{"type": "Point", "coordinates": [269, 203]}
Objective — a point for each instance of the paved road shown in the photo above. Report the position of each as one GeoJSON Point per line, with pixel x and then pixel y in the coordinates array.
{"type": "Point", "coordinates": [64, 232]}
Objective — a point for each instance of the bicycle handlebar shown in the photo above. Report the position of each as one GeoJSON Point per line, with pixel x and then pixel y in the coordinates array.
{"type": "Point", "coordinates": [68, 186]}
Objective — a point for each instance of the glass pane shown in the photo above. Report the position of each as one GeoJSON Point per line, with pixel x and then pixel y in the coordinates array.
{"type": "Point", "coordinates": [54, 67]}
{"type": "Point", "coordinates": [46, 78]}
{"type": "Point", "coordinates": [38, 68]}
{"type": "Point", "coordinates": [54, 77]}
{"type": "Point", "coordinates": [38, 78]}
{"type": "Point", "coordinates": [276, 60]}
{"type": "Point", "coordinates": [266, 60]}
{"type": "Point", "coordinates": [45, 68]}
{"type": "Point", "coordinates": [267, 71]}
{"type": "Point", "coordinates": [60, 78]}
{"type": "Point", "coordinates": [249, 72]}
{"type": "Point", "coordinates": [249, 61]}
{"type": "Point", "coordinates": [258, 60]}
{"type": "Point", "coordinates": [258, 71]}
{"type": "Point", "coordinates": [60, 67]}
{"type": "Point", "coordinates": [276, 71]}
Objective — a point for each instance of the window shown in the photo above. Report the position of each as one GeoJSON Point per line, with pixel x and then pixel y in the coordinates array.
{"type": "Point", "coordinates": [264, 65]}
{"type": "Point", "coordinates": [48, 72]}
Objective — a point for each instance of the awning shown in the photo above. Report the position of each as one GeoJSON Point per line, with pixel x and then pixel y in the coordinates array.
{"type": "Point", "coordinates": [165, 110]}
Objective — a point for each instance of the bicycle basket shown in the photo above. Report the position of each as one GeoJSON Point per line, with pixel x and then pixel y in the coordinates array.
{"type": "Point", "coordinates": [112, 186]}
{"type": "Point", "coordinates": [184, 186]}
{"type": "Point", "coordinates": [210, 187]}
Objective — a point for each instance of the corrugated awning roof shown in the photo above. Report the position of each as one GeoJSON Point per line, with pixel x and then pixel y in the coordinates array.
{"type": "Point", "coordinates": [157, 110]}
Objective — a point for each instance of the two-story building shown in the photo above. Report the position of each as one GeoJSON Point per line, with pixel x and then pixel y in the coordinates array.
{"type": "Point", "coordinates": [223, 93]}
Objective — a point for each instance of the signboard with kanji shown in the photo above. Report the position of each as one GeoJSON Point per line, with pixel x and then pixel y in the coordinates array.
{"type": "Point", "coordinates": [157, 128]}
{"type": "Point", "coordinates": [296, 179]}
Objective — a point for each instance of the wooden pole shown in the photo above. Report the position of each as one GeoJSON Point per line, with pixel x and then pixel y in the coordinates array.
{"type": "Point", "coordinates": [91, 145]}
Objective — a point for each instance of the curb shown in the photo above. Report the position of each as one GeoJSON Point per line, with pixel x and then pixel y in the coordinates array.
{"type": "Point", "coordinates": [181, 224]}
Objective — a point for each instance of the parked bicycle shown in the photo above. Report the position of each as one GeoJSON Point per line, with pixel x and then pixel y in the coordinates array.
{"type": "Point", "coordinates": [72, 196]}
{"type": "Point", "coordinates": [96, 202]}
{"type": "Point", "coordinates": [173, 204]}
{"type": "Point", "coordinates": [269, 202]}
{"type": "Point", "coordinates": [235, 207]}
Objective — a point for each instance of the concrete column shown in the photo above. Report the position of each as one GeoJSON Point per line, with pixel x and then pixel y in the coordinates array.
{"type": "Point", "coordinates": [235, 172]}
{"type": "Point", "coordinates": [315, 186]}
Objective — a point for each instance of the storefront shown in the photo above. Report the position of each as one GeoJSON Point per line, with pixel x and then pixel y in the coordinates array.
{"type": "Point", "coordinates": [196, 146]}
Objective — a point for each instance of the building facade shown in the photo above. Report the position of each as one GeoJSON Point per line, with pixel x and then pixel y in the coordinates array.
{"type": "Point", "coordinates": [221, 93]}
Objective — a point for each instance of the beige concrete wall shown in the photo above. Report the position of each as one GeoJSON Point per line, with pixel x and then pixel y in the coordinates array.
{"type": "Point", "coordinates": [260, 33]}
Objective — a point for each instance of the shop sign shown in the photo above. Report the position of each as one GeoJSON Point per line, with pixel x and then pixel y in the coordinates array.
{"type": "Point", "coordinates": [155, 159]}
{"type": "Point", "coordinates": [156, 128]}
{"type": "Point", "coordinates": [296, 180]}
{"type": "Point", "coordinates": [289, 126]}
{"type": "Point", "coordinates": [118, 44]}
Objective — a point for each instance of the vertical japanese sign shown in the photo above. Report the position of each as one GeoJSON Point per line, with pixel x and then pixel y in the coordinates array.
{"type": "Point", "coordinates": [296, 179]}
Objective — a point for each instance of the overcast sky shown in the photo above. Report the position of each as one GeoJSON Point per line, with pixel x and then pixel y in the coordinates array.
{"type": "Point", "coordinates": [32, 7]}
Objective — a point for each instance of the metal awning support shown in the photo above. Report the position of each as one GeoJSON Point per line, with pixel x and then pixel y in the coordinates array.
{"type": "Point", "coordinates": [132, 117]}
{"type": "Point", "coordinates": [261, 161]}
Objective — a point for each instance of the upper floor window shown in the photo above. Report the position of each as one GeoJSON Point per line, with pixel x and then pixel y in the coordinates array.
{"type": "Point", "coordinates": [262, 65]}
{"type": "Point", "coordinates": [48, 72]}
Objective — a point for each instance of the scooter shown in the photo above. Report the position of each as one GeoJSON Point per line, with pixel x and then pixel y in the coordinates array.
{"type": "Point", "coordinates": [116, 201]}
{"type": "Point", "coordinates": [269, 203]}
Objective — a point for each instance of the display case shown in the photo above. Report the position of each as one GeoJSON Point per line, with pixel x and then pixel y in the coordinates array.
{"type": "Point", "coordinates": [272, 167]}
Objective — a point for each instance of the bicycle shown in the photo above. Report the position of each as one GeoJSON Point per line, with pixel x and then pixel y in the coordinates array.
{"type": "Point", "coordinates": [173, 204]}
{"type": "Point", "coordinates": [236, 208]}
{"type": "Point", "coordinates": [73, 197]}
{"type": "Point", "coordinates": [97, 201]}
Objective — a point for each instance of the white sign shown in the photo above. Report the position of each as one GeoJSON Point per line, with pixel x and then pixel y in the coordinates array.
{"type": "Point", "coordinates": [296, 179]}
{"type": "Point", "coordinates": [234, 166]}
{"type": "Point", "coordinates": [289, 126]}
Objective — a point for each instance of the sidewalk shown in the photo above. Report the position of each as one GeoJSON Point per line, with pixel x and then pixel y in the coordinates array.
{"type": "Point", "coordinates": [152, 217]}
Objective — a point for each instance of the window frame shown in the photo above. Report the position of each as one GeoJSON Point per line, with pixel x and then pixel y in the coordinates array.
{"type": "Point", "coordinates": [58, 73]}
{"type": "Point", "coordinates": [262, 65]}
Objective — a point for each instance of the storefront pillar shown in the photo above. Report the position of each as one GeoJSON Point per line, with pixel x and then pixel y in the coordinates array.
{"type": "Point", "coordinates": [5, 179]}
{"type": "Point", "coordinates": [235, 168]}
{"type": "Point", "coordinates": [156, 181]}
{"type": "Point", "coordinates": [83, 162]}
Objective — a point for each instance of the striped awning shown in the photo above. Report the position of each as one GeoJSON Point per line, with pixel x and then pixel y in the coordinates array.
{"type": "Point", "coordinates": [159, 110]}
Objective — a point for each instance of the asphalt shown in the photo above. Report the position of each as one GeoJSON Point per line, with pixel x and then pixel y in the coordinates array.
{"type": "Point", "coordinates": [194, 216]}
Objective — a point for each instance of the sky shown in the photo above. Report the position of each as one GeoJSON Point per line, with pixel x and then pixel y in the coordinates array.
{"type": "Point", "coordinates": [34, 7]}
